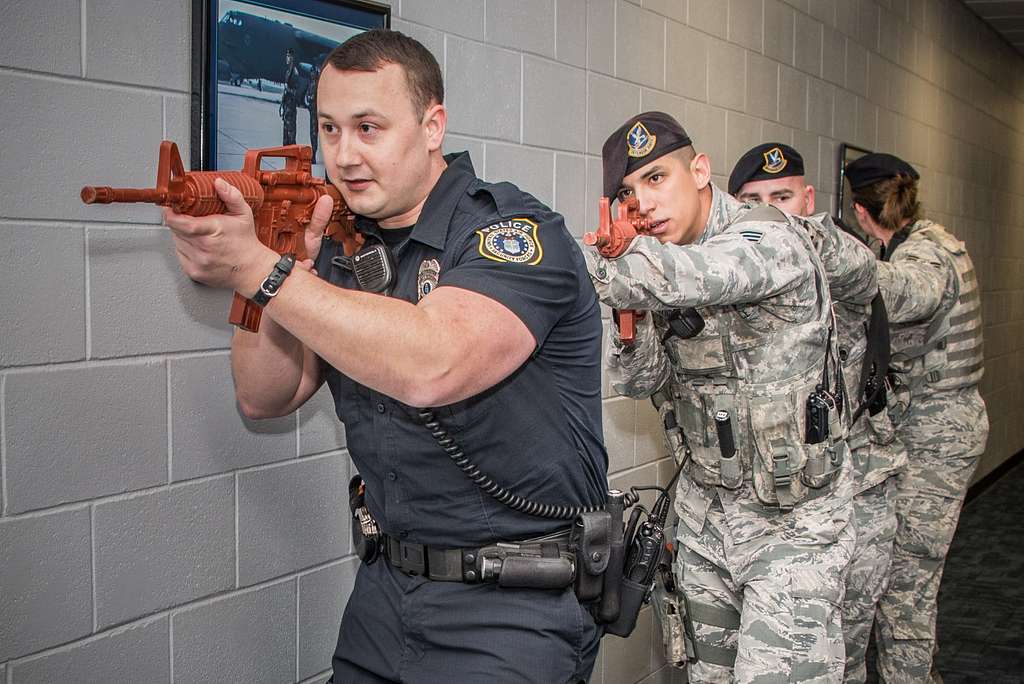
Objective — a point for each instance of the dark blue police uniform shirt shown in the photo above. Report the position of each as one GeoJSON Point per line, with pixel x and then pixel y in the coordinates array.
{"type": "Point", "coordinates": [538, 431]}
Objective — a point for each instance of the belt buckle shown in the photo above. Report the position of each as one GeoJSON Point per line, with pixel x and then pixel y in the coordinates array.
{"type": "Point", "coordinates": [412, 558]}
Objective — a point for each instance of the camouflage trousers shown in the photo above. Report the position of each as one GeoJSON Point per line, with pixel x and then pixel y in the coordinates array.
{"type": "Point", "coordinates": [766, 610]}
{"type": "Point", "coordinates": [945, 434]}
{"type": "Point", "coordinates": [874, 512]}
{"type": "Point", "coordinates": [288, 115]}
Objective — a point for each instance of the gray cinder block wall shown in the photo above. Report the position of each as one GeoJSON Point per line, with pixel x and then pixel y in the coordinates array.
{"type": "Point", "coordinates": [147, 531]}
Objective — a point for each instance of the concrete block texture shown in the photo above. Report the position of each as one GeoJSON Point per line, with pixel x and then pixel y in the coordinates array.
{"type": "Point", "coordinates": [122, 47]}
{"type": "Point", "coordinates": [601, 36]}
{"type": "Point", "coordinates": [141, 302]}
{"type": "Point", "coordinates": [45, 582]}
{"type": "Point", "coordinates": [323, 594]}
{"type": "Point", "coordinates": [291, 517]}
{"type": "Point", "coordinates": [727, 68]}
{"type": "Point", "coordinates": [762, 86]}
{"type": "Point", "coordinates": [88, 157]}
{"type": "Point", "coordinates": [706, 126]}
{"type": "Point", "coordinates": [556, 94]}
{"type": "Point", "coordinates": [807, 53]}
{"type": "Point", "coordinates": [632, 659]}
{"type": "Point", "coordinates": [460, 17]}
{"type": "Point", "coordinates": [746, 23]}
{"type": "Point", "coordinates": [673, 9]}
{"type": "Point", "coordinates": [531, 169]}
{"type": "Point", "coordinates": [27, 253]}
{"type": "Point", "coordinates": [163, 549]}
{"type": "Point", "coordinates": [820, 106]}
{"type": "Point", "coordinates": [686, 61]}
{"type": "Point", "coordinates": [609, 104]}
{"type": "Point", "coordinates": [833, 56]}
{"type": "Point", "coordinates": [571, 192]}
{"type": "Point", "coordinates": [139, 652]}
{"type": "Point", "coordinates": [571, 32]}
{"type": "Point", "coordinates": [620, 433]}
{"type": "Point", "coordinates": [792, 97]}
{"type": "Point", "coordinates": [709, 16]}
{"type": "Point", "coordinates": [526, 25]}
{"type": "Point", "coordinates": [778, 31]}
{"type": "Point", "coordinates": [103, 429]}
{"type": "Point", "coordinates": [209, 434]}
{"type": "Point", "coordinates": [639, 45]}
{"type": "Point", "coordinates": [319, 427]}
{"type": "Point", "coordinates": [24, 23]}
{"type": "Point", "coordinates": [742, 133]}
{"type": "Point", "coordinates": [244, 637]}
{"type": "Point", "coordinates": [484, 93]}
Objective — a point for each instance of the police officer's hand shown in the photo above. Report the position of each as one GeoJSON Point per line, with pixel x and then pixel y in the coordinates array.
{"type": "Point", "coordinates": [222, 250]}
{"type": "Point", "coordinates": [317, 225]}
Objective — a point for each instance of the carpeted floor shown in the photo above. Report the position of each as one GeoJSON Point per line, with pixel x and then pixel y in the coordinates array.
{"type": "Point", "coordinates": [981, 601]}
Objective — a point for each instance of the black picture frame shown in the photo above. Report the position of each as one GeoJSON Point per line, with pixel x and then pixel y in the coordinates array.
{"type": "Point", "coordinates": [844, 207]}
{"type": "Point", "coordinates": [234, 46]}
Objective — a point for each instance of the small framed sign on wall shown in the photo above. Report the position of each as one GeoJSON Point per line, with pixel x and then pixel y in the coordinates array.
{"type": "Point", "coordinates": [254, 71]}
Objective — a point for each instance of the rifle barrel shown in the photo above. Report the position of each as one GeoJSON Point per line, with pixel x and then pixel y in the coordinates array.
{"type": "Point", "coordinates": [102, 194]}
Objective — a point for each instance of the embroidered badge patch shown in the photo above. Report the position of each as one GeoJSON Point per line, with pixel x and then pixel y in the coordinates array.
{"type": "Point", "coordinates": [752, 235]}
{"type": "Point", "coordinates": [511, 241]}
{"type": "Point", "coordinates": [640, 140]}
{"type": "Point", "coordinates": [426, 279]}
{"type": "Point", "coordinates": [774, 160]}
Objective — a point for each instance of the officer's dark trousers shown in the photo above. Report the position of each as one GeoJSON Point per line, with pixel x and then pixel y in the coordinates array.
{"type": "Point", "coordinates": [412, 630]}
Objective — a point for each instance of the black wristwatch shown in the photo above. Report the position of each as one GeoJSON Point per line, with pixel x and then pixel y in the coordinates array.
{"type": "Point", "coordinates": [272, 283]}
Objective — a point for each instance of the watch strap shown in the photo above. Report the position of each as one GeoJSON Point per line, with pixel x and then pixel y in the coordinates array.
{"type": "Point", "coordinates": [272, 283]}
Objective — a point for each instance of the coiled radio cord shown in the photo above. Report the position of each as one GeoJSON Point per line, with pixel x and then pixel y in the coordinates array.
{"type": "Point", "coordinates": [501, 494]}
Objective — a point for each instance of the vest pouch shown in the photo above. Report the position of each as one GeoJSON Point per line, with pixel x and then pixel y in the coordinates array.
{"type": "Point", "coordinates": [780, 455]}
{"type": "Point", "coordinates": [824, 461]}
{"type": "Point", "coordinates": [692, 415]}
{"type": "Point", "coordinates": [704, 355]}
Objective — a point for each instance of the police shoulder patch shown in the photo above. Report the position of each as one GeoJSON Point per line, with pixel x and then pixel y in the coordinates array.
{"type": "Point", "coordinates": [752, 235]}
{"type": "Point", "coordinates": [513, 241]}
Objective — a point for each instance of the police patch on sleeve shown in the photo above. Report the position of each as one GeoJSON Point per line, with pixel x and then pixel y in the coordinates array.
{"type": "Point", "coordinates": [511, 241]}
{"type": "Point", "coordinates": [426, 279]}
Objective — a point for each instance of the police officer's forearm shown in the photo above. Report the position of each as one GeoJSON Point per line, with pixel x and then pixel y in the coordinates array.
{"type": "Point", "coordinates": [273, 372]}
{"type": "Point", "coordinates": [452, 345]}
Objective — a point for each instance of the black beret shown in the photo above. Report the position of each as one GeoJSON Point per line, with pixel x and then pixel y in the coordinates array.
{"type": "Point", "coordinates": [765, 162]}
{"type": "Point", "coordinates": [877, 166]}
{"type": "Point", "coordinates": [639, 141]}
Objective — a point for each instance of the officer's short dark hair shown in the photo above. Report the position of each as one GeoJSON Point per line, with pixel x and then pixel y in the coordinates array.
{"type": "Point", "coordinates": [374, 49]}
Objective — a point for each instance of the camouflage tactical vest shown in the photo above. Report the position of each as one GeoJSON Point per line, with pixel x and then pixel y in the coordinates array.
{"type": "Point", "coordinates": [945, 353]}
{"type": "Point", "coordinates": [761, 373]}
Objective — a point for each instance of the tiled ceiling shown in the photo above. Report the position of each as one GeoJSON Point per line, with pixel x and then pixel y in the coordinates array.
{"type": "Point", "coordinates": [1005, 16]}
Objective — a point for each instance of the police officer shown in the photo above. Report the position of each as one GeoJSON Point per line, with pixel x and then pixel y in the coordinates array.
{"type": "Point", "coordinates": [764, 497]}
{"type": "Point", "coordinates": [289, 98]}
{"type": "Point", "coordinates": [490, 318]}
{"type": "Point", "coordinates": [774, 173]}
{"type": "Point", "coordinates": [932, 295]}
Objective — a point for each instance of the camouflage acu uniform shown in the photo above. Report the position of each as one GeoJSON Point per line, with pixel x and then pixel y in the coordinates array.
{"type": "Point", "coordinates": [289, 104]}
{"type": "Point", "coordinates": [763, 544]}
{"type": "Point", "coordinates": [932, 294]}
{"type": "Point", "coordinates": [878, 455]}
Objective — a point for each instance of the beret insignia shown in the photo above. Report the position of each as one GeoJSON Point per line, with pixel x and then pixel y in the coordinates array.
{"type": "Point", "coordinates": [774, 160]}
{"type": "Point", "coordinates": [640, 140]}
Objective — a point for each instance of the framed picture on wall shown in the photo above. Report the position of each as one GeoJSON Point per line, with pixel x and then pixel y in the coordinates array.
{"type": "Point", "coordinates": [254, 70]}
{"type": "Point", "coordinates": [844, 206]}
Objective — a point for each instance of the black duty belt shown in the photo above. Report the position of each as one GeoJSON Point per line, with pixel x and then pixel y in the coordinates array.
{"type": "Point", "coordinates": [481, 564]}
